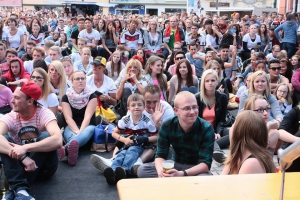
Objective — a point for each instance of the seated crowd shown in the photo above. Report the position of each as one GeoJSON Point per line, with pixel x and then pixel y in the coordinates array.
{"type": "Point", "coordinates": [166, 81]}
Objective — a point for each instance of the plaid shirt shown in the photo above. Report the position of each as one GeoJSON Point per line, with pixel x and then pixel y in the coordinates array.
{"type": "Point", "coordinates": [194, 147]}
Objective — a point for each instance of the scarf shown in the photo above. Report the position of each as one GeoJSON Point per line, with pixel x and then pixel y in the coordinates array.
{"type": "Point", "coordinates": [79, 101]}
{"type": "Point", "coordinates": [168, 34]}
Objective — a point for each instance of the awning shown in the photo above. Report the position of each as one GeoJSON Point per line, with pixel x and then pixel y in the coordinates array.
{"type": "Point", "coordinates": [231, 9]}
{"type": "Point", "coordinates": [106, 4]}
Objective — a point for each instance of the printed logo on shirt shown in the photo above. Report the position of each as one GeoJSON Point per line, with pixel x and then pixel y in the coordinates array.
{"type": "Point", "coordinates": [132, 38]}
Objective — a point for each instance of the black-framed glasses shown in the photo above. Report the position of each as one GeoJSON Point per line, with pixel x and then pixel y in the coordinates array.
{"type": "Point", "coordinates": [283, 92]}
{"type": "Point", "coordinates": [275, 68]}
{"type": "Point", "coordinates": [179, 58]}
{"type": "Point", "coordinates": [79, 79]}
{"type": "Point", "coordinates": [39, 78]}
{"type": "Point", "coordinates": [188, 109]}
{"type": "Point", "coordinates": [28, 141]}
{"type": "Point", "coordinates": [261, 110]}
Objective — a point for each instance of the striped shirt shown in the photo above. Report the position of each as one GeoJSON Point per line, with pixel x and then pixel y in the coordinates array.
{"type": "Point", "coordinates": [15, 122]}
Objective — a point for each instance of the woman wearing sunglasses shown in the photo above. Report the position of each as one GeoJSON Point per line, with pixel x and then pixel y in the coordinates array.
{"type": "Point", "coordinates": [78, 104]}
{"type": "Point", "coordinates": [179, 55]}
{"type": "Point", "coordinates": [48, 98]}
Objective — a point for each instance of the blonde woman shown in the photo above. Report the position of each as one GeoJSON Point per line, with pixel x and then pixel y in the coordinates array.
{"type": "Point", "coordinates": [260, 85]}
{"type": "Point", "coordinates": [84, 64]}
{"type": "Point", "coordinates": [152, 39]}
{"type": "Point", "coordinates": [132, 82]}
{"type": "Point", "coordinates": [58, 80]}
{"type": "Point", "coordinates": [115, 66]}
{"type": "Point", "coordinates": [48, 99]}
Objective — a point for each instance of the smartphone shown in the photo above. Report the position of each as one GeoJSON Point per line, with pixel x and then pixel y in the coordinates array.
{"type": "Point", "coordinates": [232, 31]}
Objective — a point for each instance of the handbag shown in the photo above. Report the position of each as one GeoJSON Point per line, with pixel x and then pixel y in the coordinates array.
{"type": "Point", "coordinates": [229, 120]}
{"type": "Point", "coordinates": [106, 113]}
{"type": "Point", "coordinates": [103, 140]}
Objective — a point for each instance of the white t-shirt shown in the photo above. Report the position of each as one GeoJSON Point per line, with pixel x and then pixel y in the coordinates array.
{"type": "Point", "coordinates": [132, 41]}
{"type": "Point", "coordinates": [52, 101]}
{"type": "Point", "coordinates": [90, 37]}
{"type": "Point", "coordinates": [28, 65]}
{"type": "Point", "coordinates": [77, 57]}
{"type": "Point", "coordinates": [39, 40]}
{"type": "Point", "coordinates": [210, 40]}
{"type": "Point", "coordinates": [14, 40]}
{"type": "Point", "coordinates": [108, 85]}
{"type": "Point", "coordinates": [250, 43]}
{"type": "Point", "coordinates": [108, 68]}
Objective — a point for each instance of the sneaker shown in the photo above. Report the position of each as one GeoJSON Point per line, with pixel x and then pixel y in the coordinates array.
{"type": "Point", "coordinates": [135, 167]}
{"type": "Point", "coordinates": [110, 175]}
{"type": "Point", "coordinates": [120, 173]}
{"type": "Point", "coordinates": [8, 195]}
{"type": "Point", "coordinates": [219, 156]}
{"type": "Point", "coordinates": [61, 152]}
{"type": "Point", "coordinates": [19, 196]}
{"type": "Point", "coordinates": [73, 152]}
{"type": "Point", "coordinates": [100, 162]}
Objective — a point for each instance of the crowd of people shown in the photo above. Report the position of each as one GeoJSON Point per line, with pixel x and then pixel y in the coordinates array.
{"type": "Point", "coordinates": [168, 79]}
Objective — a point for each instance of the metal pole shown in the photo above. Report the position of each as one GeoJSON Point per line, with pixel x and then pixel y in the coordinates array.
{"type": "Point", "coordinates": [217, 4]}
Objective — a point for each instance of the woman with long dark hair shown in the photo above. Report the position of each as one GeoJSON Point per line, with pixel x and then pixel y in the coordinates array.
{"type": "Point", "coordinates": [110, 39]}
{"type": "Point", "coordinates": [183, 80]}
{"type": "Point", "coordinates": [264, 37]}
{"type": "Point", "coordinates": [290, 28]}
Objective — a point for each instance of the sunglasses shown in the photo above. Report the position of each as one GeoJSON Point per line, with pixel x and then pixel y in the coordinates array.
{"type": "Point", "coordinates": [275, 68]}
{"type": "Point", "coordinates": [179, 58]}
{"type": "Point", "coordinates": [39, 78]}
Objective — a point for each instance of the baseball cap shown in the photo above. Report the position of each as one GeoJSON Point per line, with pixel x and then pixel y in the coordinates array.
{"type": "Point", "coordinates": [99, 61]}
{"type": "Point", "coordinates": [32, 90]}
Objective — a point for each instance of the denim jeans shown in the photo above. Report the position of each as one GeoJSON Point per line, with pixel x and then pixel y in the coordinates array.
{"type": "Point", "coordinates": [21, 52]}
{"type": "Point", "coordinates": [18, 178]}
{"type": "Point", "coordinates": [127, 158]}
{"type": "Point", "coordinates": [82, 138]}
{"type": "Point", "coordinates": [290, 48]}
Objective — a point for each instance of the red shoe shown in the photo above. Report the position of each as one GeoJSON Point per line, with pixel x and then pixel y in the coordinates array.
{"type": "Point", "coordinates": [73, 152]}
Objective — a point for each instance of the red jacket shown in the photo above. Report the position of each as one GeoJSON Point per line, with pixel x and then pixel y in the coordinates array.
{"type": "Point", "coordinates": [10, 77]}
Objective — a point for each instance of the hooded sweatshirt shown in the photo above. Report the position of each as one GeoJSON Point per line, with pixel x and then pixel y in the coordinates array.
{"type": "Point", "coordinates": [290, 29]}
{"type": "Point", "coordinates": [10, 77]}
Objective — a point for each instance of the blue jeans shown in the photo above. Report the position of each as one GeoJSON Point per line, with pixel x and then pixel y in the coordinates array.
{"type": "Point", "coordinates": [127, 158]}
{"type": "Point", "coordinates": [82, 138]}
{"type": "Point", "coordinates": [191, 89]}
{"type": "Point", "coordinates": [21, 52]}
{"type": "Point", "coordinates": [290, 48]}
{"type": "Point", "coordinates": [18, 178]}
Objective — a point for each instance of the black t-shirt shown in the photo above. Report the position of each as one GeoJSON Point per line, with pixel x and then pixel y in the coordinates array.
{"type": "Point", "coordinates": [78, 115]}
{"type": "Point", "coordinates": [74, 35]}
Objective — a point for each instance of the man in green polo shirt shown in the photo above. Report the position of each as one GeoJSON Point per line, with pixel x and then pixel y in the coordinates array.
{"type": "Point", "coordinates": [191, 137]}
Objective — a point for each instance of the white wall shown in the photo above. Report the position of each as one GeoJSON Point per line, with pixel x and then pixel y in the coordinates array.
{"type": "Point", "coordinates": [161, 8]}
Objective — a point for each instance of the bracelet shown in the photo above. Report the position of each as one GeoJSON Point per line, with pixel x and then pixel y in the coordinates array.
{"type": "Point", "coordinates": [25, 156]}
{"type": "Point", "coordinates": [184, 172]}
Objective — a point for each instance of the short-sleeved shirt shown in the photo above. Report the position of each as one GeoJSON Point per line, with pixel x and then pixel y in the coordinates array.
{"type": "Point", "coordinates": [228, 71]}
{"type": "Point", "coordinates": [250, 43]}
{"type": "Point", "coordinates": [194, 147]}
{"type": "Point", "coordinates": [39, 40]}
{"type": "Point", "coordinates": [199, 40]}
{"type": "Point", "coordinates": [15, 122]}
{"type": "Point", "coordinates": [79, 66]}
{"type": "Point", "coordinates": [90, 37]}
{"type": "Point", "coordinates": [78, 114]}
{"type": "Point", "coordinates": [132, 41]}
{"type": "Point", "coordinates": [109, 42]}
{"type": "Point", "coordinates": [74, 35]}
{"type": "Point", "coordinates": [108, 85]}
{"type": "Point", "coordinates": [14, 40]}
{"type": "Point", "coordinates": [77, 57]}
{"type": "Point", "coordinates": [51, 101]}
{"type": "Point", "coordinates": [145, 124]}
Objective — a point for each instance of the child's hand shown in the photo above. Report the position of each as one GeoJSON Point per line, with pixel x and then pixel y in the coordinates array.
{"type": "Point", "coordinates": [128, 141]}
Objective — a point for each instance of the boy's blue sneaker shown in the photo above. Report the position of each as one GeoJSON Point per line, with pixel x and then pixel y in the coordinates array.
{"type": "Point", "coordinates": [9, 195]}
{"type": "Point", "coordinates": [19, 196]}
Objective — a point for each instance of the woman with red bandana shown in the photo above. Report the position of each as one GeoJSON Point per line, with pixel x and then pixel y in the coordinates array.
{"type": "Point", "coordinates": [17, 74]}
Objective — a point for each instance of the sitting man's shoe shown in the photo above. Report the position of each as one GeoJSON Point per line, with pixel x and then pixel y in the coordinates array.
{"type": "Point", "coordinates": [219, 156]}
{"type": "Point", "coordinates": [20, 196]}
{"type": "Point", "coordinates": [135, 167]}
{"type": "Point", "coordinates": [9, 195]}
{"type": "Point", "coordinates": [100, 162]}
{"type": "Point", "coordinates": [120, 173]}
{"type": "Point", "coordinates": [110, 175]}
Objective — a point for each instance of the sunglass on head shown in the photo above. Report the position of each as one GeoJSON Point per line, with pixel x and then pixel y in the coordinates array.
{"type": "Point", "coordinates": [179, 58]}
{"type": "Point", "coordinates": [275, 68]}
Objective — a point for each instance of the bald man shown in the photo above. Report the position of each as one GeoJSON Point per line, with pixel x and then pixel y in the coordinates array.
{"type": "Point", "coordinates": [191, 137]}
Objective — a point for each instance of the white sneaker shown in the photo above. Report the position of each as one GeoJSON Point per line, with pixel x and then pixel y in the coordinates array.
{"type": "Point", "coordinates": [136, 165]}
{"type": "Point", "coordinates": [100, 162]}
